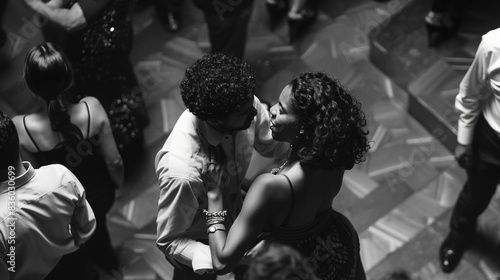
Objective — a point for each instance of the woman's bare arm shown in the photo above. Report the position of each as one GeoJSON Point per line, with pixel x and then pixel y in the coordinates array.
{"type": "Point", "coordinates": [105, 141]}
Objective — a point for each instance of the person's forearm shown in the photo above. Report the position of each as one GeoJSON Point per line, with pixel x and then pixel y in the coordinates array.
{"type": "Point", "coordinates": [116, 171]}
{"type": "Point", "coordinates": [217, 240]}
{"type": "Point", "coordinates": [69, 19]}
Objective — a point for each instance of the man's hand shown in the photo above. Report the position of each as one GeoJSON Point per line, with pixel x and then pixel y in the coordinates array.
{"type": "Point", "coordinates": [212, 179]}
{"type": "Point", "coordinates": [215, 178]}
{"type": "Point", "coordinates": [463, 155]}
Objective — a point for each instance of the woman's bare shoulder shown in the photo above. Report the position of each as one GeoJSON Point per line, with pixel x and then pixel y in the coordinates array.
{"type": "Point", "coordinates": [270, 185]}
{"type": "Point", "coordinates": [96, 111]}
{"type": "Point", "coordinates": [94, 105]}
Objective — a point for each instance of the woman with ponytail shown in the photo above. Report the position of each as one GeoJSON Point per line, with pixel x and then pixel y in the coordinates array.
{"type": "Point", "coordinates": [76, 135]}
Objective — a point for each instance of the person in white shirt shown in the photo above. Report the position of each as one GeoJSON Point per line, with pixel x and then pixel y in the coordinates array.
{"type": "Point", "coordinates": [478, 148]}
{"type": "Point", "coordinates": [43, 212]}
{"type": "Point", "coordinates": [224, 122]}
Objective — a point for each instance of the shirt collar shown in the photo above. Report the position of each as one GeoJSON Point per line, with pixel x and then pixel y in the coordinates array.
{"type": "Point", "coordinates": [19, 180]}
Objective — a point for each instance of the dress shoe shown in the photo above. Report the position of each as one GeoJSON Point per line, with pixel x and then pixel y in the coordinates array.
{"type": "Point", "coordinates": [451, 251]}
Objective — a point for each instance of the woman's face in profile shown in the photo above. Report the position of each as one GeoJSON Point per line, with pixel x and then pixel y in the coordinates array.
{"type": "Point", "coordinates": [284, 126]}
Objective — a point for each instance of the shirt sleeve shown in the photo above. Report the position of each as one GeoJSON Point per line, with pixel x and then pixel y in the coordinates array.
{"type": "Point", "coordinates": [83, 222]}
{"type": "Point", "coordinates": [92, 8]}
{"type": "Point", "coordinates": [469, 97]}
{"type": "Point", "coordinates": [177, 207]}
{"type": "Point", "coordinates": [264, 143]}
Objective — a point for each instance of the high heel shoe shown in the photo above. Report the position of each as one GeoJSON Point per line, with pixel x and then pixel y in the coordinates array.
{"type": "Point", "coordinates": [297, 26]}
{"type": "Point", "coordinates": [276, 10]}
{"type": "Point", "coordinates": [439, 30]}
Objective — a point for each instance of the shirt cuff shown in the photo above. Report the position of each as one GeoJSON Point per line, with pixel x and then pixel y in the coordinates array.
{"type": "Point", "coordinates": [202, 259]}
{"type": "Point", "coordinates": [464, 134]}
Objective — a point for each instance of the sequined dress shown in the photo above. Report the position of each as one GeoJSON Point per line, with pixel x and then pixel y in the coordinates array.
{"type": "Point", "coordinates": [329, 243]}
{"type": "Point", "coordinates": [99, 54]}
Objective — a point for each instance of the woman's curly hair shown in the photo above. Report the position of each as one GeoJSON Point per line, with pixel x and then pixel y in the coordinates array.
{"type": "Point", "coordinates": [334, 125]}
{"type": "Point", "coordinates": [216, 85]}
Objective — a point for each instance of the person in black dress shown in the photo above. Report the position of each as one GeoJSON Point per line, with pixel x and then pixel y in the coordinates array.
{"type": "Point", "coordinates": [97, 38]}
{"type": "Point", "coordinates": [76, 135]}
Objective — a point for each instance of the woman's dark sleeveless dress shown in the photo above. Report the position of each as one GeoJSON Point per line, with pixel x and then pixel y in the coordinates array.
{"type": "Point", "coordinates": [88, 165]}
{"type": "Point", "coordinates": [329, 244]}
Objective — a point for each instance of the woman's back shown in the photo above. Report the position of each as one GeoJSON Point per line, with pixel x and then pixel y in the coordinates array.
{"type": "Point", "coordinates": [324, 236]}
{"type": "Point", "coordinates": [84, 157]}
{"type": "Point", "coordinates": [310, 184]}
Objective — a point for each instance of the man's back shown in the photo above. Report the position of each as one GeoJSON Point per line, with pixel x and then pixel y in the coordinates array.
{"type": "Point", "coordinates": [51, 219]}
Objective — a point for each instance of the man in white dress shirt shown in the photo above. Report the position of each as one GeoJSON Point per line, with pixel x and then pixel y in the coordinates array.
{"type": "Point", "coordinates": [478, 149]}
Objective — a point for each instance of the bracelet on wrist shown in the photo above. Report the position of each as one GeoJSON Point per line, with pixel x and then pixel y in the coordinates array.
{"type": "Point", "coordinates": [212, 221]}
{"type": "Point", "coordinates": [222, 213]}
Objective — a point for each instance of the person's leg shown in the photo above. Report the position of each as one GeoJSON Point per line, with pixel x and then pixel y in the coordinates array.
{"type": "Point", "coordinates": [482, 180]}
{"type": "Point", "coordinates": [475, 196]}
{"type": "Point", "coordinates": [99, 248]}
{"type": "Point", "coordinates": [169, 13]}
{"type": "Point", "coordinates": [301, 15]}
{"type": "Point", "coordinates": [483, 177]}
{"type": "Point", "coordinates": [229, 34]}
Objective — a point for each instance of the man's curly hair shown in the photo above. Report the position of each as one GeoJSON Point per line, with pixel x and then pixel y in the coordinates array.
{"type": "Point", "coordinates": [217, 85]}
{"type": "Point", "coordinates": [334, 125]}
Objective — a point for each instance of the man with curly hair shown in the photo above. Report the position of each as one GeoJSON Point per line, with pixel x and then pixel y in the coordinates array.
{"type": "Point", "coordinates": [223, 124]}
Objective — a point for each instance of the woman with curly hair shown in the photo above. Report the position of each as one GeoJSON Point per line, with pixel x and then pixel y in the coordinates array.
{"type": "Point", "coordinates": [325, 127]}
